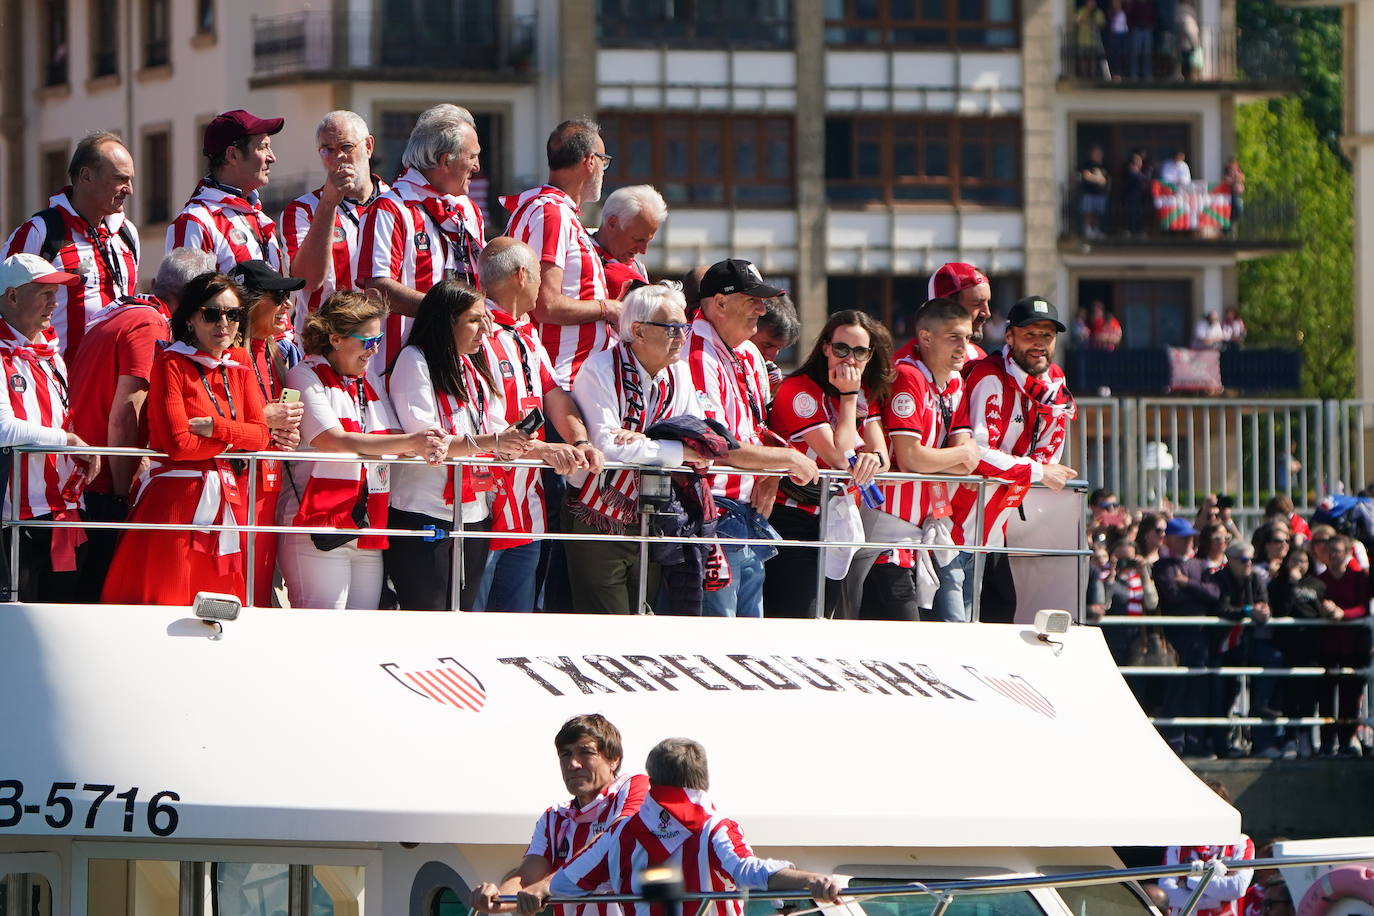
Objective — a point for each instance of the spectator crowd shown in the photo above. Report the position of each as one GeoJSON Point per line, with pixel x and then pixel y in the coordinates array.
{"type": "Point", "coordinates": [1156, 562]}
{"type": "Point", "coordinates": [375, 318]}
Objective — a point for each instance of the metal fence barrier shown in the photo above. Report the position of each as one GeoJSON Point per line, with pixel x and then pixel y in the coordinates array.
{"type": "Point", "coordinates": [644, 538]}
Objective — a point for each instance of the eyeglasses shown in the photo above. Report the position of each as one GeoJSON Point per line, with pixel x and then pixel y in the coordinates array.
{"type": "Point", "coordinates": [214, 316]}
{"type": "Point", "coordinates": [369, 343]}
{"type": "Point", "coordinates": [1321, 540]}
{"type": "Point", "coordinates": [671, 331]}
{"type": "Point", "coordinates": [1278, 540]}
{"type": "Point", "coordinates": [345, 148]}
{"type": "Point", "coordinates": [606, 160]}
{"type": "Point", "coordinates": [1111, 505]}
{"type": "Point", "coordinates": [844, 351]}
{"type": "Point", "coordinates": [1220, 537]}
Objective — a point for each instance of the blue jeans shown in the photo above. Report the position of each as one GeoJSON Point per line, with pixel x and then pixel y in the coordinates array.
{"type": "Point", "coordinates": [1142, 54]}
{"type": "Point", "coordinates": [508, 582]}
{"type": "Point", "coordinates": [743, 597]}
{"type": "Point", "coordinates": [953, 603]}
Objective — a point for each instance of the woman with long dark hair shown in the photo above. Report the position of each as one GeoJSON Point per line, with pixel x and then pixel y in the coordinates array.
{"type": "Point", "coordinates": [202, 401]}
{"type": "Point", "coordinates": [826, 409]}
{"type": "Point", "coordinates": [442, 380]}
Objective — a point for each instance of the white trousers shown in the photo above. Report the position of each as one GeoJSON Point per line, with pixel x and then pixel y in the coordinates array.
{"type": "Point", "coordinates": [343, 578]}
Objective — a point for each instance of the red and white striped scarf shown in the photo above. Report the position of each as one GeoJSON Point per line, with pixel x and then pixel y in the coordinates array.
{"type": "Point", "coordinates": [1135, 592]}
{"type": "Point", "coordinates": [335, 486]}
{"type": "Point", "coordinates": [36, 381]}
{"type": "Point", "coordinates": [450, 408]}
{"type": "Point", "coordinates": [608, 501]}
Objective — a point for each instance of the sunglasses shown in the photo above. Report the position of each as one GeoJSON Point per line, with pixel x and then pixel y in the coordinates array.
{"type": "Point", "coordinates": [214, 315]}
{"type": "Point", "coordinates": [671, 331]}
{"type": "Point", "coordinates": [1110, 505]}
{"type": "Point", "coordinates": [369, 343]}
{"type": "Point", "coordinates": [1278, 540]}
{"type": "Point", "coordinates": [844, 351]}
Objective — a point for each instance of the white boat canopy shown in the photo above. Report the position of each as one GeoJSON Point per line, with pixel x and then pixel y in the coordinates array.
{"type": "Point", "coordinates": [320, 726]}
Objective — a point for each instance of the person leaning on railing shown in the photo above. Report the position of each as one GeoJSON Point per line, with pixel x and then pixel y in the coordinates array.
{"type": "Point", "coordinates": [343, 413]}
{"type": "Point", "coordinates": [442, 379]}
{"type": "Point", "coordinates": [202, 401]}
{"type": "Point", "coordinates": [827, 410]}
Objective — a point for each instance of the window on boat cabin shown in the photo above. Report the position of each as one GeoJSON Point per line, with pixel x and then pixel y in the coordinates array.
{"type": "Point", "coordinates": [447, 903]}
{"type": "Point", "coordinates": [893, 299]}
{"type": "Point", "coordinates": [124, 887]}
{"type": "Point", "coordinates": [1016, 903]}
{"type": "Point", "coordinates": [976, 24]}
{"type": "Point", "coordinates": [25, 894]}
{"type": "Point", "coordinates": [920, 159]}
{"type": "Point", "coordinates": [699, 24]}
{"type": "Point", "coordinates": [1121, 899]}
{"type": "Point", "coordinates": [742, 160]}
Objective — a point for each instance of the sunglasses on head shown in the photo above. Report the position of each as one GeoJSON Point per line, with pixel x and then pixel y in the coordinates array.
{"type": "Point", "coordinates": [844, 351]}
{"type": "Point", "coordinates": [213, 315]}
{"type": "Point", "coordinates": [369, 343]}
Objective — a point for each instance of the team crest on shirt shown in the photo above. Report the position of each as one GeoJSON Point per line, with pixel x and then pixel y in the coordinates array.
{"type": "Point", "coordinates": [237, 236]}
{"type": "Point", "coordinates": [339, 235]}
{"type": "Point", "coordinates": [422, 241]}
{"type": "Point", "coordinates": [904, 405]}
{"type": "Point", "coordinates": [804, 405]}
{"type": "Point", "coordinates": [19, 383]}
{"type": "Point", "coordinates": [86, 269]}
{"type": "Point", "coordinates": [507, 370]}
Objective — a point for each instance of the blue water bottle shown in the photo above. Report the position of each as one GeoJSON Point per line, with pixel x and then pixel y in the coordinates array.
{"type": "Point", "coordinates": [869, 492]}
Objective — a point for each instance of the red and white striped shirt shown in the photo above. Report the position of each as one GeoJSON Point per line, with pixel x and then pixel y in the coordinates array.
{"type": "Point", "coordinates": [1017, 438]}
{"type": "Point", "coordinates": [677, 826]}
{"type": "Point", "coordinates": [546, 219]}
{"type": "Point", "coordinates": [563, 831]}
{"type": "Point", "coordinates": [521, 364]}
{"type": "Point", "coordinates": [106, 265]}
{"type": "Point", "coordinates": [229, 226]}
{"type": "Point", "coordinates": [34, 412]}
{"type": "Point", "coordinates": [801, 405]}
{"type": "Point", "coordinates": [916, 407]}
{"type": "Point", "coordinates": [732, 387]}
{"type": "Point", "coordinates": [416, 236]}
{"type": "Point", "coordinates": [295, 222]}
{"type": "Point", "coordinates": [1223, 895]}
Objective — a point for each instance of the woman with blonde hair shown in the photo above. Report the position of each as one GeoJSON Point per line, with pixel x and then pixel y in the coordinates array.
{"type": "Point", "coordinates": [343, 413]}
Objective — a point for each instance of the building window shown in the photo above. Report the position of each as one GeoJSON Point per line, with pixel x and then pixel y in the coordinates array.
{"type": "Point", "coordinates": [205, 17]}
{"type": "Point", "coordinates": [893, 299]}
{"type": "Point", "coordinates": [1153, 313]}
{"type": "Point", "coordinates": [156, 29]}
{"type": "Point", "coordinates": [52, 170]}
{"type": "Point", "coordinates": [694, 23]}
{"type": "Point", "coordinates": [912, 160]}
{"type": "Point", "coordinates": [156, 178]}
{"type": "Point", "coordinates": [55, 43]}
{"type": "Point", "coordinates": [922, 23]}
{"type": "Point", "coordinates": [707, 160]}
{"type": "Point", "coordinates": [104, 38]}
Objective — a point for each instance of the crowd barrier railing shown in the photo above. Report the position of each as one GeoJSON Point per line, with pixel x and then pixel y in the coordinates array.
{"type": "Point", "coordinates": [644, 538]}
{"type": "Point", "coordinates": [1247, 673]}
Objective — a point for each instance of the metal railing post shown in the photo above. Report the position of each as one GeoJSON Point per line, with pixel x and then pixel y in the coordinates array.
{"type": "Point", "coordinates": [455, 541]}
{"type": "Point", "coordinates": [250, 555]}
{"type": "Point", "coordinates": [979, 541]}
{"type": "Point", "coordinates": [822, 517]}
{"type": "Point", "coordinates": [14, 531]}
{"type": "Point", "coordinates": [642, 587]}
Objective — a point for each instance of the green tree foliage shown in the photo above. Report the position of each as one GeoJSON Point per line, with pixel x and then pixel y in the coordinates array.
{"type": "Point", "coordinates": [1316, 35]}
{"type": "Point", "coordinates": [1304, 297]}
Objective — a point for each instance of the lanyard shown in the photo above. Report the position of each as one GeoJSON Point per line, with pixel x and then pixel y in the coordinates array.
{"type": "Point", "coordinates": [524, 349]}
{"type": "Point", "coordinates": [257, 228]}
{"type": "Point", "coordinates": [478, 394]}
{"type": "Point", "coordinates": [459, 248]}
{"type": "Point", "coordinates": [742, 380]}
{"type": "Point", "coordinates": [228, 393]}
{"type": "Point", "coordinates": [266, 388]}
{"type": "Point", "coordinates": [360, 395]}
{"type": "Point", "coordinates": [103, 247]}
{"type": "Point", "coordinates": [52, 372]}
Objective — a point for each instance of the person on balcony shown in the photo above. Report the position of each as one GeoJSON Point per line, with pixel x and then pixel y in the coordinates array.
{"type": "Point", "coordinates": [1089, 22]}
{"type": "Point", "coordinates": [1208, 334]}
{"type": "Point", "coordinates": [224, 215]}
{"type": "Point", "coordinates": [1135, 194]}
{"type": "Point", "coordinates": [1094, 185]}
{"type": "Point", "coordinates": [1141, 16]}
{"type": "Point", "coordinates": [1118, 39]}
{"type": "Point", "coordinates": [1104, 328]}
{"type": "Point", "coordinates": [1175, 170]}
{"type": "Point", "coordinates": [1233, 328]}
{"type": "Point", "coordinates": [1234, 177]}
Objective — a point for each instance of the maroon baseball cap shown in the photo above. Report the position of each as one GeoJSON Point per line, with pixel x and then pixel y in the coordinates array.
{"type": "Point", "coordinates": [232, 126]}
{"type": "Point", "coordinates": [953, 278]}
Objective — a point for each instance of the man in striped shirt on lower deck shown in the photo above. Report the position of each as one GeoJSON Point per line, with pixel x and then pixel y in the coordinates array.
{"type": "Point", "coordinates": [589, 756]}
{"type": "Point", "coordinates": [679, 826]}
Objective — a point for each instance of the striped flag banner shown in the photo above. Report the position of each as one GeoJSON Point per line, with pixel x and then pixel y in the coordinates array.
{"type": "Point", "coordinates": [450, 682]}
{"type": "Point", "coordinates": [1193, 206]}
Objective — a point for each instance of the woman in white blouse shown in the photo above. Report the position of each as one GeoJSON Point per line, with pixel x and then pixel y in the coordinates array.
{"type": "Point", "coordinates": [441, 379]}
{"type": "Point", "coordinates": [622, 392]}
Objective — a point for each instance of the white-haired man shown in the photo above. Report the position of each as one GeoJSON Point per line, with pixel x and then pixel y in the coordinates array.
{"type": "Point", "coordinates": [321, 228]}
{"type": "Point", "coordinates": [509, 271]}
{"type": "Point", "coordinates": [576, 311]}
{"type": "Point", "coordinates": [224, 216]}
{"type": "Point", "coordinates": [84, 232]}
{"type": "Point", "coordinates": [425, 229]}
{"type": "Point", "coordinates": [630, 219]}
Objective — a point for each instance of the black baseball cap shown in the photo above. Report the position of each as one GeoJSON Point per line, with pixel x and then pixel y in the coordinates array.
{"type": "Point", "coordinates": [259, 276]}
{"type": "Point", "coordinates": [1032, 309]}
{"type": "Point", "coordinates": [735, 275]}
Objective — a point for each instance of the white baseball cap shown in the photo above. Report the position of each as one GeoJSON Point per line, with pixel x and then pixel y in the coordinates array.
{"type": "Point", "coordinates": [22, 268]}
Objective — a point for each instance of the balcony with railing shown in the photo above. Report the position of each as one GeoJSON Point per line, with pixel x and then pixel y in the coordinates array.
{"type": "Point", "coordinates": [473, 42]}
{"type": "Point", "coordinates": [1179, 370]}
{"type": "Point", "coordinates": [1199, 215]}
{"type": "Point", "coordinates": [1251, 60]}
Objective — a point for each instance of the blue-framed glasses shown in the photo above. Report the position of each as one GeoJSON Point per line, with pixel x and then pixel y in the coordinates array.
{"type": "Point", "coordinates": [671, 331]}
{"type": "Point", "coordinates": [369, 343]}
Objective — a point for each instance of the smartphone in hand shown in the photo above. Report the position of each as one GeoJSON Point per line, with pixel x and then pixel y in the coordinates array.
{"type": "Point", "coordinates": [531, 422]}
